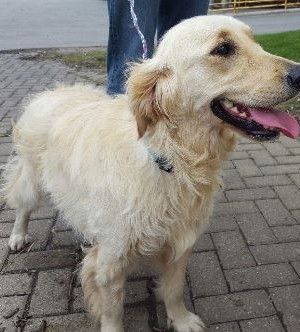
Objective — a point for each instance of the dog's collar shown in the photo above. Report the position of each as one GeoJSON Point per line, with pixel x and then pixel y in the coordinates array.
{"type": "Point", "coordinates": [163, 163]}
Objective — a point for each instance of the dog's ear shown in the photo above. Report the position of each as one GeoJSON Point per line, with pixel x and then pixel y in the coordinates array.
{"type": "Point", "coordinates": [151, 92]}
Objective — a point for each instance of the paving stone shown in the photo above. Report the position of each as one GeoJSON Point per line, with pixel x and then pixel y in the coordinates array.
{"type": "Point", "coordinates": [6, 139]}
{"type": "Point", "coordinates": [61, 225]}
{"type": "Point", "coordinates": [43, 212]}
{"type": "Point", "coordinates": [11, 306]}
{"type": "Point", "coordinates": [204, 243]}
{"type": "Point", "coordinates": [41, 260]}
{"type": "Point", "coordinates": [266, 324]}
{"type": "Point", "coordinates": [280, 169]}
{"type": "Point", "coordinates": [296, 215]}
{"type": "Point", "coordinates": [267, 180]}
{"type": "Point", "coordinates": [232, 179]}
{"type": "Point", "coordinates": [288, 160]}
{"type": "Point", "coordinates": [187, 298]}
{"type": "Point", "coordinates": [15, 284]}
{"type": "Point", "coordinates": [261, 276]}
{"type": "Point", "coordinates": [234, 208]}
{"type": "Point", "coordinates": [232, 250]}
{"type": "Point", "coordinates": [275, 212]}
{"type": "Point", "coordinates": [287, 233]}
{"type": "Point", "coordinates": [289, 195]}
{"type": "Point", "coordinates": [220, 198]}
{"type": "Point", "coordinates": [226, 327]}
{"type": "Point", "coordinates": [276, 149]}
{"type": "Point", "coordinates": [3, 159]}
{"type": "Point", "coordinates": [7, 215]}
{"type": "Point", "coordinates": [296, 266]}
{"type": "Point", "coordinates": [287, 302]}
{"type": "Point", "coordinates": [250, 194]}
{"type": "Point", "coordinates": [222, 224]}
{"type": "Point", "coordinates": [65, 239]}
{"type": "Point", "coordinates": [161, 317]}
{"type": "Point", "coordinates": [6, 148]}
{"type": "Point", "coordinates": [65, 323]}
{"type": "Point", "coordinates": [232, 307]}
{"type": "Point", "coordinates": [143, 270]}
{"type": "Point", "coordinates": [295, 151]}
{"type": "Point", "coordinates": [255, 229]}
{"type": "Point", "coordinates": [136, 291]}
{"type": "Point", "coordinates": [136, 319]}
{"type": "Point", "coordinates": [78, 301]}
{"type": "Point", "coordinates": [247, 167]}
{"type": "Point", "coordinates": [39, 232]}
{"type": "Point", "coordinates": [228, 165]}
{"type": "Point", "coordinates": [249, 147]}
{"type": "Point", "coordinates": [206, 275]}
{"type": "Point", "coordinates": [296, 179]}
{"type": "Point", "coordinates": [239, 155]}
{"type": "Point", "coordinates": [5, 229]}
{"type": "Point", "coordinates": [262, 158]}
{"type": "Point", "coordinates": [276, 253]}
{"type": "Point", "coordinates": [289, 143]}
{"type": "Point", "coordinates": [52, 290]}
{"type": "Point", "coordinates": [3, 250]}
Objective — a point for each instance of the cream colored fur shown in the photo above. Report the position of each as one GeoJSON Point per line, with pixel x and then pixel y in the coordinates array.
{"type": "Point", "coordinates": [94, 155]}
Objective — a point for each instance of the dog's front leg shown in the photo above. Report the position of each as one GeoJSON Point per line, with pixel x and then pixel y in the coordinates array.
{"type": "Point", "coordinates": [171, 289]}
{"type": "Point", "coordinates": [103, 279]}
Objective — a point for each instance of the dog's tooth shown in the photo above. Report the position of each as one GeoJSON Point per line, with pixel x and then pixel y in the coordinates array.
{"type": "Point", "coordinates": [227, 103]}
{"type": "Point", "coordinates": [234, 109]}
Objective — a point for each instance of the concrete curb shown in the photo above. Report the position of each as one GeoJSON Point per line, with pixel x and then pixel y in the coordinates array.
{"type": "Point", "coordinates": [257, 13]}
{"type": "Point", "coordinates": [64, 50]}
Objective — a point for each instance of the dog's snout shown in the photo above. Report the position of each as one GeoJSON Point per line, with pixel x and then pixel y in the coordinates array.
{"type": "Point", "coordinates": [293, 77]}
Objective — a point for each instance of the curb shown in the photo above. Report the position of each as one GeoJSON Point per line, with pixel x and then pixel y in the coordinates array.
{"type": "Point", "coordinates": [257, 13]}
{"type": "Point", "coordinates": [62, 49]}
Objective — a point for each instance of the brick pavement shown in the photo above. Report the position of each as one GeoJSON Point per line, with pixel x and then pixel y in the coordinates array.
{"type": "Point", "coordinates": [244, 274]}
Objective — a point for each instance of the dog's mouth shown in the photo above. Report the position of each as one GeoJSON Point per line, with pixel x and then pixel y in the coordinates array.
{"type": "Point", "coordinates": [260, 123]}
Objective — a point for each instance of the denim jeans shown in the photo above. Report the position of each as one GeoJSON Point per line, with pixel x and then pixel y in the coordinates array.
{"type": "Point", "coordinates": [125, 45]}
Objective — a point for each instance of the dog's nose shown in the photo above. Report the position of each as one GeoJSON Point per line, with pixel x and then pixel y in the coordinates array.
{"type": "Point", "coordinates": [293, 77]}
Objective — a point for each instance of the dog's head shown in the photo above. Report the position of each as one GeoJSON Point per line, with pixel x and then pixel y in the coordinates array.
{"type": "Point", "coordinates": [211, 67]}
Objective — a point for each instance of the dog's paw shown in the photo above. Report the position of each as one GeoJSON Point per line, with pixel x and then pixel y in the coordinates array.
{"type": "Point", "coordinates": [189, 323]}
{"type": "Point", "coordinates": [18, 241]}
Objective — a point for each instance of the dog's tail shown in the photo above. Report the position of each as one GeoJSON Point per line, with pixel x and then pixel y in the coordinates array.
{"type": "Point", "coordinates": [19, 187]}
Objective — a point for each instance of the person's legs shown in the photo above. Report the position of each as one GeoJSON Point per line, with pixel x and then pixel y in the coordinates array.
{"type": "Point", "coordinates": [172, 12]}
{"type": "Point", "coordinates": [124, 43]}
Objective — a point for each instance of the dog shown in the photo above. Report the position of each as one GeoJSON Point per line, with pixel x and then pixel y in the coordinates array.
{"type": "Point", "coordinates": [136, 174]}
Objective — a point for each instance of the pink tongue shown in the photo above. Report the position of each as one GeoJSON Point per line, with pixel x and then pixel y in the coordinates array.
{"type": "Point", "coordinates": [272, 118]}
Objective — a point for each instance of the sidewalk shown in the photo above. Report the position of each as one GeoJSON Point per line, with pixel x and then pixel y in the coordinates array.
{"type": "Point", "coordinates": [244, 275]}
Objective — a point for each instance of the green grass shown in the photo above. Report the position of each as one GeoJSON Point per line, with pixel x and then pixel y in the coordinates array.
{"type": "Point", "coordinates": [285, 44]}
{"type": "Point", "coordinates": [91, 59]}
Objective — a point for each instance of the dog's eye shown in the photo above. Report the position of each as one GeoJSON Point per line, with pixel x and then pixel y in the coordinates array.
{"type": "Point", "coordinates": [225, 49]}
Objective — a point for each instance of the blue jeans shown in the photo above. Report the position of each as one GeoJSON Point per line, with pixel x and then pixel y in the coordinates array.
{"type": "Point", "coordinates": [125, 45]}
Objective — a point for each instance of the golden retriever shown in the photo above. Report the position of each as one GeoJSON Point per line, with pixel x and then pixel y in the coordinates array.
{"type": "Point", "coordinates": [136, 174]}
